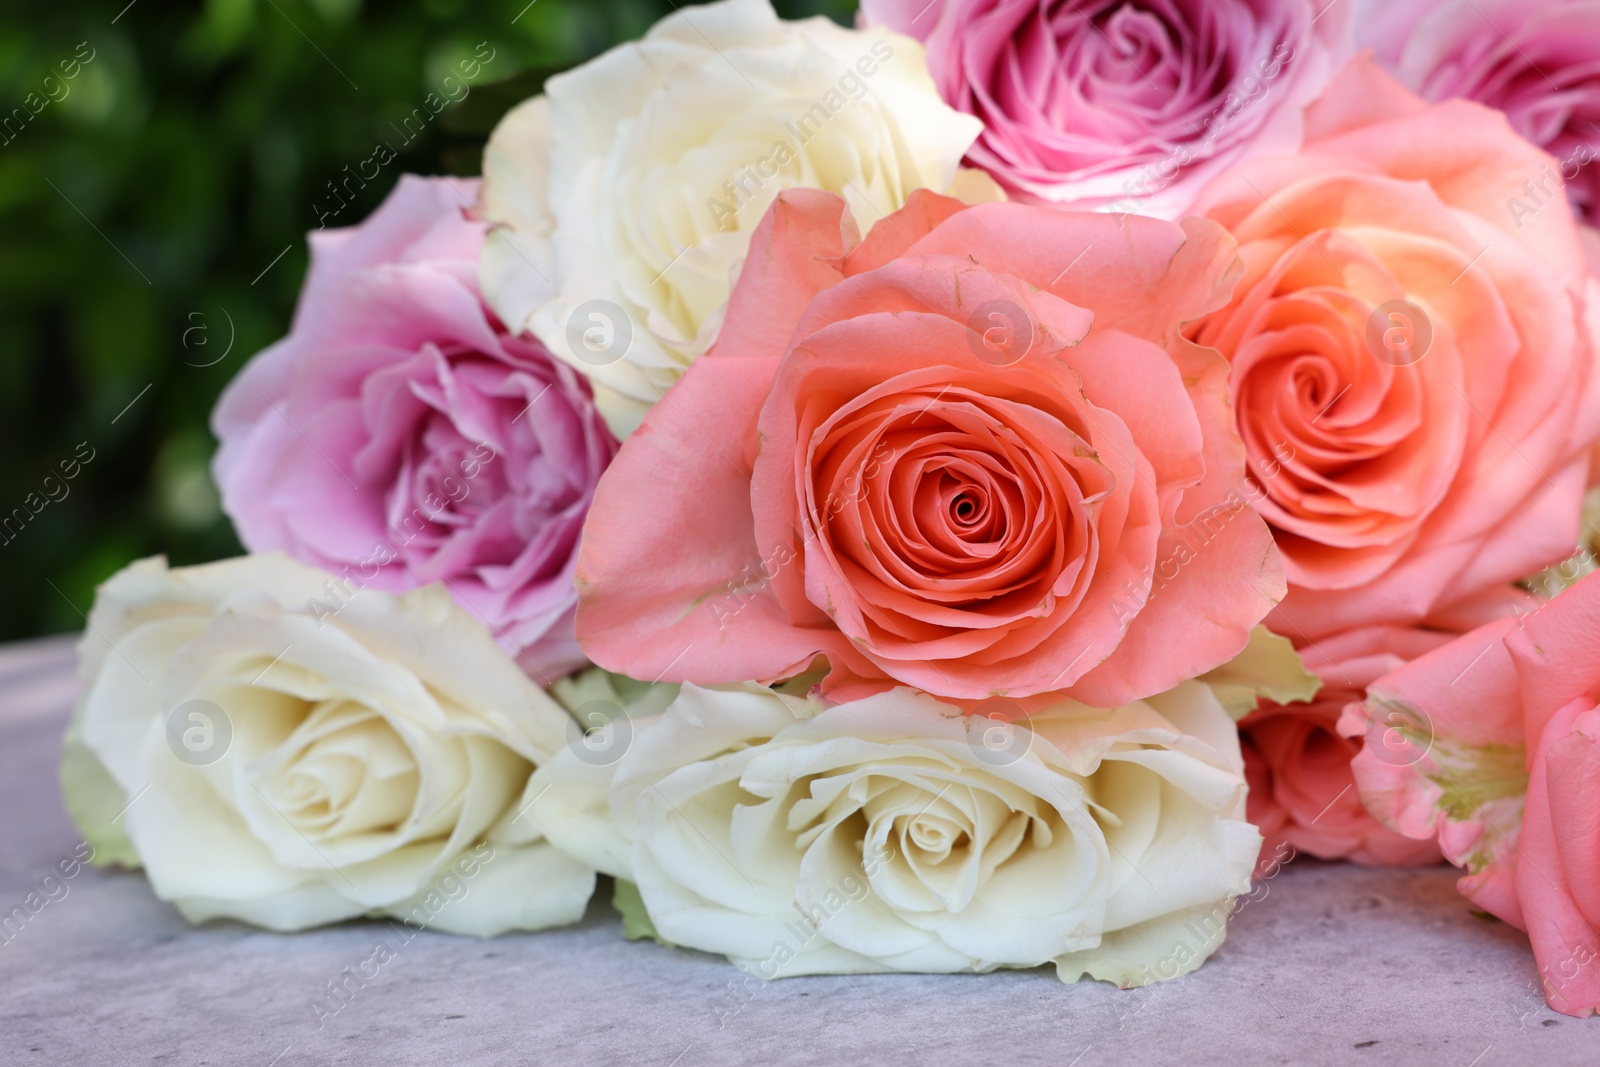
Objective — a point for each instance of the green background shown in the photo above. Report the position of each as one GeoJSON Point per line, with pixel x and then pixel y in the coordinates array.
{"type": "Point", "coordinates": [141, 213]}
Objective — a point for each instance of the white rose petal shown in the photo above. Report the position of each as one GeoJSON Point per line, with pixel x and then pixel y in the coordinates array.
{"type": "Point", "coordinates": [293, 754]}
{"type": "Point", "coordinates": [568, 800]}
{"type": "Point", "coordinates": [891, 834]}
{"type": "Point", "coordinates": [623, 200]}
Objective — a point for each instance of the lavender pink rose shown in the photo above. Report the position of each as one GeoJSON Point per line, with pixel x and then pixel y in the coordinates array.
{"type": "Point", "coordinates": [1536, 60]}
{"type": "Point", "coordinates": [1128, 103]}
{"type": "Point", "coordinates": [398, 436]}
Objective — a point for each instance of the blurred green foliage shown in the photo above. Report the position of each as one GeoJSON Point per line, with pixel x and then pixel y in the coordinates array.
{"type": "Point", "coordinates": [153, 207]}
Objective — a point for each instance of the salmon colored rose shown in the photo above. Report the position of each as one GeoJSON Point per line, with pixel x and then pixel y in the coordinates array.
{"type": "Point", "coordinates": [1491, 746]}
{"type": "Point", "coordinates": [971, 453]}
{"type": "Point", "coordinates": [1302, 790]}
{"type": "Point", "coordinates": [1413, 369]}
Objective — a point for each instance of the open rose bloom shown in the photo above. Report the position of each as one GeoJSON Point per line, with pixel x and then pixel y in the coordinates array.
{"type": "Point", "coordinates": [1413, 369]}
{"type": "Point", "coordinates": [268, 765]}
{"type": "Point", "coordinates": [400, 436]}
{"type": "Point", "coordinates": [893, 834]}
{"type": "Point", "coordinates": [1127, 105]}
{"type": "Point", "coordinates": [1491, 746]}
{"type": "Point", "coordinates": [971, 453]}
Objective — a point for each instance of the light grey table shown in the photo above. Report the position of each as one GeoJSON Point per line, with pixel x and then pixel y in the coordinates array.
{"type": "Point", "coordinates": [1334, 965]}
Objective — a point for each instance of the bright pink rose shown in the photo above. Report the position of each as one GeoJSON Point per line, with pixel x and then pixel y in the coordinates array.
{"type": "Point", "coordinates": [1414, 373]}
{"type": "Point", "coordinates": [1302, 791]}
{"type": "Point", "coordinates": [1131, 103]}
{"type": "Point", "coordinates": [1491, 745]}
{"type": "Point", "coordinates": [972, 453]}
{"type": "Point", "coordinates": [399, 437]}
{"type": "Point", "coordinates": [1536, 60]}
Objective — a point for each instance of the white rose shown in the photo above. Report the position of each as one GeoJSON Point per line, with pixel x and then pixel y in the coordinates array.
{"type": "Point", "coordinates": [607, 710]}
{"type": "Point", "coordinates": [624, 197]}
{"type": "Point", "coordinates": [289, 753]}
{"type": "Point", "coordinates": [894, 834]}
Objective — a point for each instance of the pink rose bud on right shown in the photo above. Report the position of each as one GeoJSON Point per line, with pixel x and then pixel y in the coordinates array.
{"type": "Point", "coordinates": [1491, 746]}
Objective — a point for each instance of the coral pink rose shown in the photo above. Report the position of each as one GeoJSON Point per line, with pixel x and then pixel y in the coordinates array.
{"type": "Point", "coordinates": [1302, 791]}
{"type": "Point", "coordinates": [1130, 103]}
{"type": "Point", "coordinates": [398, 436]}
{"type": "Point", "coordinates": [972, 453]}
{"type": "Point", "coordinates": [1536, 60]}
{"type": "Point", "coordinates": [1491, 745]}
{"type": "Point", "coordinates": [1414, 374]}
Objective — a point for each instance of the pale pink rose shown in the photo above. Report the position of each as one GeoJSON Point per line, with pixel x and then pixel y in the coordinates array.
{"type": "Point", "coordinates": [972, 453]}
{"type": "Point", "coordinates": [1491, 746]}
{"type": "Point", "coordinates": [1413, 372]}
{"type": "Point", "coordinates": [1536, 60]}
{"type": "Point", "coordinates": [398, 436]}
{"type": "Point", "coordinates": [1302, 791]}
{"type": "Point", "coordinates": [1589, 238]}
{"type": "Point", "coordinates": [1132, 104]}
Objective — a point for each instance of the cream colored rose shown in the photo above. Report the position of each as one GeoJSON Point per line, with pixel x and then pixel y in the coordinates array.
{"type": "Point", "coordinates": [607, 712]}
{"type": "Point", "coordinates": [894, 834]}
{"type": "Point", "coordinates": [624, 197]}
{"type": "Point", "coordinates": [288, 753]}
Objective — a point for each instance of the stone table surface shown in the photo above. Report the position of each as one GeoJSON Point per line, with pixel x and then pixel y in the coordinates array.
{"type": "Point", "coordinates": [1329, 964]}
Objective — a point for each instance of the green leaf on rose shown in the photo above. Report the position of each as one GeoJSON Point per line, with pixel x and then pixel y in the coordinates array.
{"type": "Point", "coordinates": [1268, 668]}
{"type": "Point", "coordinates": [598, 691]}
{"type": "Point", "coordinates": [636, 924]}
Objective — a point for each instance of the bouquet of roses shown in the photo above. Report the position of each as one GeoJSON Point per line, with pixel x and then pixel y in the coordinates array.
{"type": "Point", "coordinates": [968, 491]}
